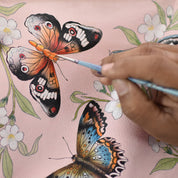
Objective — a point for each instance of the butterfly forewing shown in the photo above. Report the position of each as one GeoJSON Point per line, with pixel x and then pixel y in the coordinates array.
{"type": "Point", "coordinates": [92, 126]}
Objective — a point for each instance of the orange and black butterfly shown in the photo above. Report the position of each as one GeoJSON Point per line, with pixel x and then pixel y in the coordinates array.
{"type": "Point", "coordinates": [38, 65]}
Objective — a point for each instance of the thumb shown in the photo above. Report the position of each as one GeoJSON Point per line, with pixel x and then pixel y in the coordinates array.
{"type": "Point", "coordinates": [136, 105]}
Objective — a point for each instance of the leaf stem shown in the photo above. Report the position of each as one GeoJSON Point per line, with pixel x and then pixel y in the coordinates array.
{"type": "Point", "coordinates": [11, 84]}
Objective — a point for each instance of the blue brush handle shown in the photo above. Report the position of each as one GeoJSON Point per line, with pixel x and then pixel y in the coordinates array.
{"type": "Point", "coordinates": [137, 81]}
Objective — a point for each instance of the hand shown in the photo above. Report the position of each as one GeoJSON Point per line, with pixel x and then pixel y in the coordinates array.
{"type": "Point", "coordinates": [154, 62]}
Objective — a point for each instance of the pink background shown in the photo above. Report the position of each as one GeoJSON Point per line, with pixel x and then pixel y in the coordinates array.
{"type": "Point", "coordinates": [103, 14]}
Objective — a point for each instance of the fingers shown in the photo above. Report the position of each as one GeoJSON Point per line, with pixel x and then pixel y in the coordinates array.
{"type": "Point", "coordinates": [144, 112]}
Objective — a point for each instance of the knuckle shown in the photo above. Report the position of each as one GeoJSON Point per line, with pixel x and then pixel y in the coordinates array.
{"type": "Point", "coordinates": [146, 48]}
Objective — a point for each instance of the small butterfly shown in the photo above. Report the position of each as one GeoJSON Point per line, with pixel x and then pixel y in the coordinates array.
{"type": "Point", "coordinates": [38, 65]}
{"type": "Point", "coordinates": [96, 157]}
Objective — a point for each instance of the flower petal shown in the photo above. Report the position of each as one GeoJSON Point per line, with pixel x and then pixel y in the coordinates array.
{"type": "Point", "coordinates": [16, 34]}
{"type": "Point", "coordinates": [13, 144]}
{"type": "Point", "coordinates": [148, 20]}
{"type": "Point", "coordinates": [117, 113]}
{"type": "Point", "coordinates": [4, 120]}
{"type": "Point", "coordinates": [142, 28]}
{"type": "Point", "coordinates": [3, 23]}
{"type": "Point", "coordinates": [19, 136]}
{"type": "Point", "coordinates": [3, 133]}
{"type": "Point", "coordinates": [156, 20]}
{"type": "Point", "coordinates": [110, 106]}
{"type": "Point", "coordinates": [7, 40]}
{"type": "Point", "coordinates": [3, 112]}
{"type": "Point", "coordinates": [12, 24]}
{"type": "Point", "coordinates": [4, 141]}
{"type": "Point", "coordinates": [114, 95]}
{"type": "Point", "coordinates": [14, 129]}
{"type": "Point", "coordinates": [159, 31]}
{"type": "Point", "coordinates": [149, 36]}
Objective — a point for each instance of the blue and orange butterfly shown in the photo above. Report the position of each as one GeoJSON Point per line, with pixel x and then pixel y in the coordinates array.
{"type": "Point", "coordinates": [96, 157]}
{"type": "Point", "coordinates": [28, 64]}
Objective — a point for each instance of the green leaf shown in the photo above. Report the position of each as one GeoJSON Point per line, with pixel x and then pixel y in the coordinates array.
{"type": "Point", "coordinates": [161, 13]}
{"type": "Point", "coordinates": [175, 17]}
{"type": "Point", "coordinates": [75, 99]}
{"type": "Point", "coordinates": [110, 88]}
{"type": "Point", "coordinates": [35, 146]}
{"type": "Point", "coordinates": [25, 104]}
{"type": "Point", "coordinates": [7, 165]}
{"type": "Point", "coordinates": [168, 150]}
{"type": "Point", "coordinates": [174, 27]}
{"type": "Point", "coordinates": [23, 148]}
{"type": "Point", "coordinates": [11, 10]}
{"type": "Point", "coordinates": [1, 150]}
{"type": "Point", "coordinates": [3, 102]}
{"type": "Point", "coordinates": [165, 164]}
{"type": "Point", "coordinates": [130, 35]}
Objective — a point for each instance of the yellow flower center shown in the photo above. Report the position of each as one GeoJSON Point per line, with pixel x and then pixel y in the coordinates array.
{"type": "Point", "coordinates": [7, 30]}
{"type": "Point", "coordinates": [118, 105]}
{"type": "Point", "coordinates": [151, 27]}
{"type": "Point", "coordinates": [11, 136]}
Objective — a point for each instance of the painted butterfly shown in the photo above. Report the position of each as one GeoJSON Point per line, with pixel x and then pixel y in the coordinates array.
{"type": "Point", "coordinates": [96, 157]}
{"type": "Point", "coordinates": [28, 64]}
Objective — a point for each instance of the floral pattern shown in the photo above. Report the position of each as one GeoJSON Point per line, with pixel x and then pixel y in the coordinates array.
{"type": "Point", "coordinates": [152, 28]}
{"type": "Point", "coordinates": [11, 138]}
{"type": "Point", "coordinates": [8, 31]}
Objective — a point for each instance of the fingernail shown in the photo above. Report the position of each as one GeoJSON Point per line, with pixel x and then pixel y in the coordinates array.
{"type": "Point", "coordinates": [107, 67]}
{"type": "Point", "coordinates": [121, 86]}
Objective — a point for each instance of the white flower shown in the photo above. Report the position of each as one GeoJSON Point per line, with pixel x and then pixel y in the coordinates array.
{"type": "Point", "coordinates": [114, 106]}
{"type": "Point", "coordinates": [155, 144]}
{"type": "Point", "coordinates": [8, 31]}
{"type": "Point", "coordinates": [152, 28]}
{"type": "Point", "coordinates": [98, 85]}
{"type": "Point", "coordinates": [10, 136]}
{"type": "Point", "coordinates": [169, 11]}
{"type": "Point", "coordinates": [3, 116]}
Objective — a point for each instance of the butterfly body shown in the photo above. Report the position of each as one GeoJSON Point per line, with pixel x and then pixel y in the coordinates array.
{"type": "Point", "coordinates": [38, 65]}
{"type": "Point", "coordinates": [96, 157]}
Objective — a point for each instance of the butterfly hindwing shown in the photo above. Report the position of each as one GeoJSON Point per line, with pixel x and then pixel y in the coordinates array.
{"type": "Point", "coordinates": [74, 170]}
{"type": "Point", "coordinates": [107, 155]}
{"type": "Point", "coordinates": [45, 89]}
{"type": "Point", "coordinates": [25, 63]}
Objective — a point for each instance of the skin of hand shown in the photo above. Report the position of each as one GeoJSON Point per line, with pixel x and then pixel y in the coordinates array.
{"type": "Point", "coordinates": [157, 63]}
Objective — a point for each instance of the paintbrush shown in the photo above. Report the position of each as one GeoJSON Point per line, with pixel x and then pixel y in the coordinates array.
{"type": "Point", "coordinates": [146, 83]}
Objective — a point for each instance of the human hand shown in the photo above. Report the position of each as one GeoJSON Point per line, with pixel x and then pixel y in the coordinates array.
{"type": "Point", "coordinates": [157, 63]}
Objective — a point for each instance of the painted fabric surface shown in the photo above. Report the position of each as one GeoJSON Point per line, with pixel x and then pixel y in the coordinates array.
{"type": "Point", "coordinates": [52, 108]}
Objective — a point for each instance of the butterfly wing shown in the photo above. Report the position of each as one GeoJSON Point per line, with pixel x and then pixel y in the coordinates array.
{"type": "Point", "coordinates": [107, 155]}
{"type": "Point", "coordinates": [92, 126]}
{"type": "Point", "coordinates": [27, 64]}
{"type": "Point", "coordinates": [45, 89]}
{"type": "Point", "coordinates": [102, 153]}
{"type": "Point", "coordinates": [45, 28]}
{"type": "Point", "coordinates": [72, 171]}
{"type": "Point", "coordinates": [76, 37]}
{"type": "Point", "coordinates": [73, 37]}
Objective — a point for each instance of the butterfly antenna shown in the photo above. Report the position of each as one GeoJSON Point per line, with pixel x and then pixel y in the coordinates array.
{"type": "Point", "coordinates": [68, 146]}
{"type": "Point", "coordinates": [61, 72]}
{"type": "Point", "coordinates": [60, 158]}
